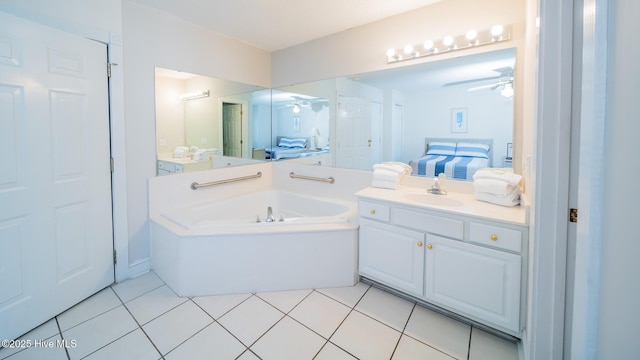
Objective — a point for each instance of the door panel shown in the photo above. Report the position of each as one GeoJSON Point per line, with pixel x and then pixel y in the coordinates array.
{"type": "Point", "coordinates": [354, 146]}
{"type": "Point", "coordinates": [55, 184]}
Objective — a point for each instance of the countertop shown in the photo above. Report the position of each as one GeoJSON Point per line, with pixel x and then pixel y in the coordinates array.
{"type": "Point", "coordinates": [454, 203]}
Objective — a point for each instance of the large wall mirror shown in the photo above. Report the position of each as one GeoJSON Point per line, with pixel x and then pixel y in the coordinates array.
{"type": "Point", "coordinates": [422, 115]}
{"type": "Point", "coordinates": [204, 123]}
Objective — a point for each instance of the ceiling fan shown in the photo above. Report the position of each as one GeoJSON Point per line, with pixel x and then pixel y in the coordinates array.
{"type": "Point", "coordinates": [314, 104]}
{"type": "Point", "coordinates": [504, 82]}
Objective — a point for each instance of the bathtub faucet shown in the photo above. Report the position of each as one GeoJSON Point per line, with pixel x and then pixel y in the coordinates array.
{"type": "Point", "coordinates": [270, 217]}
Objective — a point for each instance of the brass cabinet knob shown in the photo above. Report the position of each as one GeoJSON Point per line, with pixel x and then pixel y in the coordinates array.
{"type": "Point", "coordinates": [372, 212]}
{"type": "Point", "coordinates": [419, 243]}
{"type": "Point", "coordinates": [429, 246]}
{"type": "Point", "coordinates": [494, 237]}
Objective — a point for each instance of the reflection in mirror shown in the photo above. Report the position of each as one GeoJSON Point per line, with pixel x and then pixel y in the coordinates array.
{"type": "Point", "coordinates": [300, 125]}
{"type": "Point", "coordinates": [204, 123]}
{"type": "Point", "coordinates": [393, 115]}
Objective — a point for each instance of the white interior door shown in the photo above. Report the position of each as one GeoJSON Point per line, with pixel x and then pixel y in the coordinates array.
{"type": "Point", "coordinates": [354, 147]}
{"type": "Point", "coordinates": [232, 129]}
{"type": "Point", "coordinates": [55, 182]}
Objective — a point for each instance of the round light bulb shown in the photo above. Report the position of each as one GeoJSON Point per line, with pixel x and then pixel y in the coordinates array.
{"type": "Point", "coordinates": [497, 30]}
{"type": "Point", "coordinates": [507, 91]}
{"type": "Point", "coordinates": [408, 49]}
{"type": "Point", "coordinates": [428, 45]}
{"type": "Point", "coordinates": [391, 52]}
{"type": "Point", "coordinates": [448, 42]}
{"type": "Point", "coordinates": [471, 35]}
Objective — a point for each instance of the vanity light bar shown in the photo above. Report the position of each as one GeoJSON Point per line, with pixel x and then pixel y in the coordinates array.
{"type": "Point", "coordinates": [195, 95]}
{"type": "Point", "coordinates": [471, 39]}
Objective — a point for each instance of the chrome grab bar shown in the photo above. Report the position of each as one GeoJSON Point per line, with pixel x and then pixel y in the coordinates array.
{"type": "Point", "coordinates": [329, 180]}
{"type": "Point", "coordinates": [195, 185]}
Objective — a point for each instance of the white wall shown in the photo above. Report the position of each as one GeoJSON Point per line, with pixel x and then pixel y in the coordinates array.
{"type": "Point", "coordinates": [428, 114]}
{"type": "Point", "coordinates": [169, 114]}
{"type": "Point", "coordinates": [620, 292]}
{"type": "Point", "coordinates": [153, 38]}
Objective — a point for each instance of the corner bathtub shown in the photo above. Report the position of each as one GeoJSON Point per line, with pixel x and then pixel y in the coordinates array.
{"type": "Point", "coordinates": [220, 248]}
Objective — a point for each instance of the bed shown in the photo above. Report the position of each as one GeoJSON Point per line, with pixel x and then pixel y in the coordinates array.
{"type": "Point", "coordinates": [456, 158]}
{"type": "Point", "coordinates": [292, 148]}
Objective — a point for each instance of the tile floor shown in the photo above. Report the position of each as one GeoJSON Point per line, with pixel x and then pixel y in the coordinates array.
{"type": "Point", "coordinates": [143, 318]}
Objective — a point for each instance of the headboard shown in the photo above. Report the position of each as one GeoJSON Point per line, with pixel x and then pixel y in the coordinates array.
{"type": "Point", "coordinates": [306, 144]}
{"type": "Point", "coordinates": [457, 140]}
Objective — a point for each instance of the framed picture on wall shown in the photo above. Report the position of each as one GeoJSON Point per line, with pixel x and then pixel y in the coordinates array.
{"type": "Point", "coordinates": [296, 123]}
{"type": "Point", "coordinates": [459, 120]}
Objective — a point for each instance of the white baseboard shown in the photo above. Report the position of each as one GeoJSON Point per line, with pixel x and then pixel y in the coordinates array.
{"type": "Point", "coordinates": [139, 267]}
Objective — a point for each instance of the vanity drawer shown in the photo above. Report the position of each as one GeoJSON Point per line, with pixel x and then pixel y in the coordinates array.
{"type": "Point", "coordinates": [495, 236]}
{"type": "Point", "coordinates": [374, 211]}
{"type": "Point", "coordinates": [429, 223]}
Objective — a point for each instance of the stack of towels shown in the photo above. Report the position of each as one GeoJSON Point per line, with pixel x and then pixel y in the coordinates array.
{"type": "Point", "coordinates": [387, 175]}
{"type": "Point", "coordinates": [497, 186]}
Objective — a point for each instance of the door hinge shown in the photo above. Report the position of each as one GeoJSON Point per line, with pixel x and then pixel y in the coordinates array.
{"type": "Point", "coordinates": [113, 165]}
{"type": "Point", "coordinates": [573, 215]}
{"type": "Point", "coordinates": [115, 258]}
{"type": "Point", "coordinates": [108, 70]}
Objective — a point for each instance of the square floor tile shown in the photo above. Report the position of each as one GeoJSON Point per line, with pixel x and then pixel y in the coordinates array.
{"type": "Point", "coordinates": [441, 332]}
{"type": "Point", "coordinates": [320, 313]}
{"type": "Point", "coordinates": [411, 349]}
{"type": "Point", "coordinates": [366, 338]}
{"type": "Point", "coordinates": [101, 330]}
{"type": "Point", "coordinates": [44, 331]}
{"type": "Point", "coordinates": [134, 345]}
{"type": "Point", "coordinates": [249, 320]}
{"type": "Point", "coordinates": [348, 295]}
{"type": "Point", "coordinates": [383, 306]}
{"type": "Point", "coordinates": [53, 352]}
{"type": "Point", "coordinates": [284, 300]}
{"type": "Point", "coordinates": [216, 306]}
{"type": "Point", "coordinates": [491, 347]}
{"type": "Point", "coordinates": [176, 326]}
{"type": "Point", "coordinates": [248, 355]}
{"type": "Point", "coordinates": [213, 342]}
{"type": "Point", "coordinates": [332, 352]}
{"type": "Point", "coordinates": [154, 303]}
{"type": "Point", "coordinates": [288, 340]}
{"type": "Point", "coordinates": [132, 288]}
{"type": "Point", "coordinates": [97, 304]}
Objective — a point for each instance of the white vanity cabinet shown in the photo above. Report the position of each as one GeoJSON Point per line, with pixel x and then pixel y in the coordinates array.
{"type": "Point", "coordinates": [467, 265]}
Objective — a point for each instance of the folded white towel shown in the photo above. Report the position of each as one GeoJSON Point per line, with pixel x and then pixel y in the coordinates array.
{"type": "Point", "coordinates": [400, 168]}
{"type": "Point", "coordinates": [492, 186]}
{"type": "Point", "coordinates": [386, 175]}
{"type": "Point", "coordinates": [512, 199]}
{"type": "Point", "coordinates": [385, 184]}
{"type": "Point", "coordinates": [501, 174]}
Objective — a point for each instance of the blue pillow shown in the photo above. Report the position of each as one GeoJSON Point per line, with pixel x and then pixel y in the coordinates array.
{"type": "Point", "coordinates": [441, 148]}
{"type": "Point", "coordinates": [292, 143]}
{"type": "Point", "coordinates": [473, 150]}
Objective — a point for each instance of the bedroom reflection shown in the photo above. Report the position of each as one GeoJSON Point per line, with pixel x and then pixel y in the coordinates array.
{"type": "Point", "coordinates": [204, 123]}
{"type": "Point", "coordinates": [392, 115]}
{"type": "Point", "coordinates": [300, 128]}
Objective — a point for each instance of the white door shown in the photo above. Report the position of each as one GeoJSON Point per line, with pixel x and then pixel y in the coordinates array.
{"type": "Point", "coordinates": [376, 132]}
{"type": "Point", "coordinates": [232, 130]}
{"type": "Point", "coordinates": [55, 182]}
{"type": "Point", "coordinates": [354, 133]}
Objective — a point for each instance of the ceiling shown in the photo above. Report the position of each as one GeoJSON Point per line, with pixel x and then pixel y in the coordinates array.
{"type": "Point", "coordinates": [278, 24]}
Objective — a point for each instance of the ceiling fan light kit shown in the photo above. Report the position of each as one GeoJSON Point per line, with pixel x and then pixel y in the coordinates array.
{"type": "Point", "coordinates": [470, 39]}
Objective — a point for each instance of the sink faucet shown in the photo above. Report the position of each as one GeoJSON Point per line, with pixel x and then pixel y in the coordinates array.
{"type": "Point", "coordinates": [270, 217]}
{"type": "Point", "coordinates": [436, 188]}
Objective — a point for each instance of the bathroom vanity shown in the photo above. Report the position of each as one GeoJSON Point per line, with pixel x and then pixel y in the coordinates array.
{"type": "Point", "coordinates": [452, 251]}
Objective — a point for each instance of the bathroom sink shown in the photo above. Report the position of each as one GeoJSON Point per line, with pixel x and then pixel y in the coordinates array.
{"type": "Point", "coordinates": [431, 199]}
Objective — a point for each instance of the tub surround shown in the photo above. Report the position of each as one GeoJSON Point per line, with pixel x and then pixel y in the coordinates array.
{"type": "Point", "coordinates": [215, 260]}
{"type": "Point", "coordinates": [454, 252]}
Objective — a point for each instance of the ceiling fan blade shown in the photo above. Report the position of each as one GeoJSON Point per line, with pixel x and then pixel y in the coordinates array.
{"type": "Point", "coordinates": [471, 81]}
{"type": "Point", "coordinates": [490, 86]}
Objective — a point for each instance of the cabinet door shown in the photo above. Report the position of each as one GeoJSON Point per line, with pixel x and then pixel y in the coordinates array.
{"type": "Point", "coordinates": [392, 255]}
{"type": "Point", "coordinates": [474, 280]}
